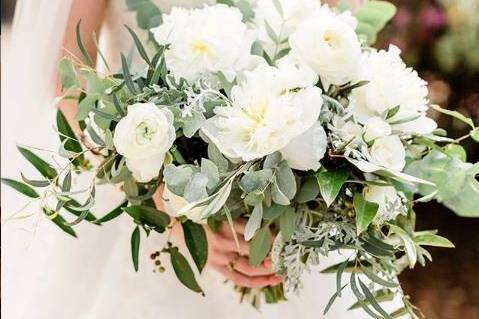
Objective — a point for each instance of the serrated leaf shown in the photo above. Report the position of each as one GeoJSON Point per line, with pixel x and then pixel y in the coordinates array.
{"type": "Point", "coordinates": [196, 241]}
{"type": "Point", "coordinates": [20, 187]}
{"type": "Point", "coordinates": [260, 246]}
{"type": "Point", "coordinates": [330, 183]}
{"type": "Point", "coordinates": [365, 212]}
{"type": "Point", "coordinates": [135, 246]}
{"type": "Point", "coordinates": [183, 270]}
{"type": "Point", "coordinates": [42, 166]}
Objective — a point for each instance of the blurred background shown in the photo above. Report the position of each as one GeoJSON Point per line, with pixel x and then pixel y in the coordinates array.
{"type": "Point", "coordinates": [440, 38]}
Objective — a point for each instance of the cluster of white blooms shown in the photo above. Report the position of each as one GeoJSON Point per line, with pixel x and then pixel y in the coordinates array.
{"type": "Point", "coordinates": [276, 102]}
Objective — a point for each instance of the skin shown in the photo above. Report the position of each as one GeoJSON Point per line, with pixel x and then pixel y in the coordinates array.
{"type": "Point", "coordinates": [224, 255]}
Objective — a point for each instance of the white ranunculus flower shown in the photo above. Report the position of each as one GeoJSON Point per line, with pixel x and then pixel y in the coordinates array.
{"type": "Point", "coordinates": [388, 151]}
{"type": "Point", "coordinates": [390, 204]}
{"type": "Point", "coordinates": [143, 137]}
{"type": "Point", "coordinates": [376, 127]}
{"type": "Point", "coordinates": [306, 150]}
{"type": "Point", "coordinates": [265, 115]}
{"type": "Point", "coordinates": [329, 45]}
{"type": "Point", "coordinates": [205, 41]}
{"type": "Point", "coordinates": [391, 84]}
{"type": "Point", "coordinates": [174, 203]}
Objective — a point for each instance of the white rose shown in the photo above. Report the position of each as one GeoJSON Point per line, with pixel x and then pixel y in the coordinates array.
{"type": "Point", "coordinates": [205, 41]}
{"type": "Point", "coordinates": [265, 114]}
{"type": "Point", "coordinates": [388, 151]}
{"type": "Point", "coordinates": [328, 45]}
{"type": "Point", "coordinates": [174, 203]}
{"type": "Point", "coordinates": [390, 84]}
{"type": "Point", "coordinates": [390, 205]}
{"type": "Point", "coordinates": [143, 137]}
{"type": "Point", "coordinates": [376, 127]}
{"type": "Point", "coordinates": [306, 150]}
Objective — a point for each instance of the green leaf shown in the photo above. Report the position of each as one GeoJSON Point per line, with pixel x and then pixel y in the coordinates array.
{"type": "Point", "coordinates": [278, 7]}
{"type": "Point", "coordinates": [254, 221]}
{"type": "Point", "coordinates": [309, 190]}
{"type": "Point", "coordinates": [256, 181]}
{"type": "Point", "coordinates": [330, 183]}
{"type": "Point", "coordinates": [183, 270]}
{"type": "Point", "coordinates": [89, 216]}
{"type": "Point", "coordinates": [20, 187]}
{"type": "Point", "coordinates": [370, 297]}
{"type": "Point", "coordinates": [365, 212]}
{"type": "Point", "coordinates": [285, 180]}
{"type": "Point", "coordinates": [196, 241]}
{"type": "Point", "coordinates": [455, 183]}
{"type": "Point", "coordinates": [86, 57]}
{"type": "Point", "coordinates": [333, 299]}
{"type": "Point", "coordinates": [113, 214]}
{"type": "Point", "coordinates": [139, 46]}
{"type": "Point", "coordinates": [375, 278]}
{"type": "Point", "coordinates": [455, 150]}
{"type": "Point", "coordinates": [60, 222]}
{"type": "Point", "coordinates": [66, 71]}
{"type": "Point", "coordinates": [149, 215]}
{"type": "Point", "coordinates": [432, 240]}
{"type": "Point", "coordinates": [260, 246]}
{"type": "Point", "coordinates": [372, 17]}
{"type": "Point", "coordinates": [43, 167]}
{"type": "Point", "coordinates": [380, 295]}
{"type": "Point", "coordinates": [274, 211]}
{"type": "Point", "coordinates": [127, 76]}
{"type": "Point", "coordinates": [475, 134]}
{"type": "Point", "coordinates": [454, 114]}
{"type": "Point", "coordinates": [209, 169]}
{"type": "Point", "coordinates": [409, 246]}
{"type": "Point", "coordinates": [287, 223]}
{"type": "Point", "coordinates": [135, 246]}
{"type": "Point", "coordinates": [68, 138]}
{"type": "Point", "coordinates": [360, 297]}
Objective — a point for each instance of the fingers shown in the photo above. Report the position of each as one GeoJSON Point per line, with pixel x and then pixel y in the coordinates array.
{"type": "Point", "coordinates": [224, 241]}
{"type": "Point", "coordinates": [241, 264]}
{"type": "Point", "coordinates": [249, 282]}
{"type": "Point", "coordinates": [238, 225]}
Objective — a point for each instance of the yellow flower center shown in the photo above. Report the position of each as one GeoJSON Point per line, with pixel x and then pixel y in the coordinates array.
{"type": "Point", "coordinates": [200, 47]}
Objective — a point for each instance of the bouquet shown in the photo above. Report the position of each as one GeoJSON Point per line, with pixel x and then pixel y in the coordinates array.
{"type": "Point", "coordinates": [278, 113]}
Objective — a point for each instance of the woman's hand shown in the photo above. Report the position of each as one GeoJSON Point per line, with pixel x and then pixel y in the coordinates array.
{"type": "Point", "coordinates": [227, 258]}
{"type": "Point", "coordinates": [232, 261]}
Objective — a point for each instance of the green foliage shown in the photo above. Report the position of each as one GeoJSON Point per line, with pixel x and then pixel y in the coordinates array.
{"type": "Point", "coordinates": [330, 183]}
{"type": "Point", "coordinates": [260, 246]}
{"type": "Point", "coordinates": [372, 17]}
{"type": "Point", "coordinates": [431, 239]}
{"type": "Point", "coordinates": [195, 238]}
{"type": "Point", "coordinates": [149, 216]}
{"type": "Point", "coordinates": [20, 187]}
{"type": "Point", "coordinates": [183, 270]}
{"type": "Point", "coordinates": [365, 212]}
{"type": "Point", "coordinates": [68, 76]}
{"type": "Point", "coordinates": [455, 183]}
{"type": "Point", "coordinates": [148, 15]}
{"type": "Point", "coordinates": [135, 246]}
{"type": "Point", "coordinates": [287, 223]}
{"type": "Point", "coordinates": [42, 166]}
{"type": "Point", "coordinates": [58, 220]}
{"type": "Point", "coordinates": [308, 191]}
{"type": "Point", "coordinates": [117, 211]}
{"type": "Point", "coordinates": [69, 141]}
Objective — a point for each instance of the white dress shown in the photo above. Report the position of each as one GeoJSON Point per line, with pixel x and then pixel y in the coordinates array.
{"type": "Point", "coordinates": [47, 274]}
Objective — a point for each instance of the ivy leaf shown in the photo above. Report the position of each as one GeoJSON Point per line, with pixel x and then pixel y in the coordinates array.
{"type": "Point", "coordinates": [365, 212]}
{"type": "Point", "coordinates": [42, 166]}
{"type": "Point", "coordinates": [135, 246]}
{"type": "Point", "coordinates": [20, 187]}
{"type": "Point", "coordinates": [330, 183]}
{"type": "Point", "coordinates": [260, 246]}
{"type": "Point", "coordinates": [195, 238]}
{"type": "Point", "coordinates": [183, 270]}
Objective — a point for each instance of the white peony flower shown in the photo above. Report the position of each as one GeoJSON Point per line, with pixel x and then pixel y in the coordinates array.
{"type": "Point", "coordinates": [265, 115]}
{"type": "Point", "coordinates": [306, 150]}
{"type": "Point", "coordinates": [390, 204]}
{"type": "Point", "coordinates": [294, 13]}
{"type": "Point", "coordinates": [388, 151]}
{"type": "Point", "coordinates": [174, 203]}
{"type": "Point", "coordinates": [143, 137]}
{"type": "Point", "coordinates": [376, 127]}
{"type": "Point", "coordinates": [391, 84]}
{"type": "Point", "coordinates": [329, 45]}
{"type": "Point", "coordinates": [204, 41]}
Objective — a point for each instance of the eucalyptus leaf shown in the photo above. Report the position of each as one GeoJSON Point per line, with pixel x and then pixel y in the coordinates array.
{"type": "Point", "coordinates": [256, 180]}
{"type": "Point", "coordinates": [209, 169]}
{"type": "Point", "coordinates": [260, 246]}
{"type": "Point", "coordinates": [254, 222]}
{"type": "Point", "coordinates": [287, 223]}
